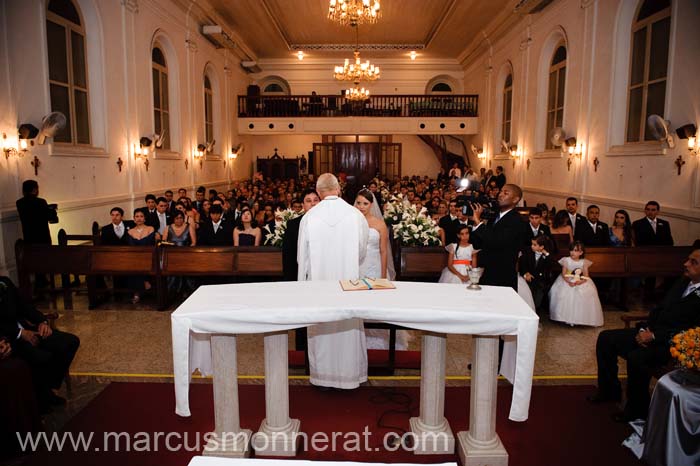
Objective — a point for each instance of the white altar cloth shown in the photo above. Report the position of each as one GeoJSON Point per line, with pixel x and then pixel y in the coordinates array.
{"type": "Point", "coordinates": [278, 306]}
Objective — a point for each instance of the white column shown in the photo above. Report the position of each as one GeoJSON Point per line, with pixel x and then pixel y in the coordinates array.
{"type": "Point", "coordinates": [431, 431]}
{"type": "Point", "coordinates": [278, 434]}
{"type": "Point", "coordinates": [229, 439]}
{"type": "Point", "coordinates": [480, 446]}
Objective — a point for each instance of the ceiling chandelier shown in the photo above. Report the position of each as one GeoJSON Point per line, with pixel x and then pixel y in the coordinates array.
{"type": "Point", "coordinates": [356, 71]}
{"type": "Point", "coordinates": [354, 12]}
{"type": "Point", "coordinates": [356, 94]}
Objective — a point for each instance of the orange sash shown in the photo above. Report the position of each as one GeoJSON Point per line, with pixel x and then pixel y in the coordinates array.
{"type": "Point", "coordinates": [462, 262]}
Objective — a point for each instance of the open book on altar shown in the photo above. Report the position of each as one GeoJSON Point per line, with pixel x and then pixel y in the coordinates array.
{"type": "Point", "coordinates": [367, 284]}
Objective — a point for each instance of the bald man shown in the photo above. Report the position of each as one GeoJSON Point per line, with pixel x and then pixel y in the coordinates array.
{"type": "Point", "coordinates": [332, 243]}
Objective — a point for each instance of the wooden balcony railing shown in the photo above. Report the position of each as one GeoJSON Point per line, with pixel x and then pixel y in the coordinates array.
{"type": "Point", "coordinates": [376, 106]}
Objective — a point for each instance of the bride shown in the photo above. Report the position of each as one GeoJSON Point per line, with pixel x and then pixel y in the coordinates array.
{"type": "Point", "coordinates": [378, 263]}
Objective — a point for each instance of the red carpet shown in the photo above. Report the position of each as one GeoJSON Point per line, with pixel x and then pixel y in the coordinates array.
{"type": "Point", "coordinates": [563, 429]}
{"type": "Point", "coordinates": [402, 360]}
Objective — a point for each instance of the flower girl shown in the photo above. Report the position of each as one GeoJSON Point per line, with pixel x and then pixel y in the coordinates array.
{"type": "Point", "coordinates": [573, 298]}
{"type": "Point", "coordinates": [462, 258]}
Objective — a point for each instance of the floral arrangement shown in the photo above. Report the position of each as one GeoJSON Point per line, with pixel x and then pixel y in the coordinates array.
{"type": "Point", "coordinates": [410, 226]}
{"type": "Point", "coordinates": [686, 348]}
{"type": "Point", "coordinates": [276, 238]}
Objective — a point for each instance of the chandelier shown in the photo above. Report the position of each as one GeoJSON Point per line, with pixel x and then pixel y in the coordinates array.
{"type": "Point", "coordinates": [356, 94]}
{"type": "Point", "coordinates": [354, 12]}
{"type": "Point", "coordinates": [356, 71]}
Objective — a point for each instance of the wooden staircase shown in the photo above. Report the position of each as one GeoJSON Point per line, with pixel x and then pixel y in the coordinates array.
{"type": "Point", "coordinates": [446, 158]}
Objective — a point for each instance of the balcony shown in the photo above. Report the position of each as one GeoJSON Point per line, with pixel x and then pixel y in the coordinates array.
{"type": "Point", "coordinates": [380, 114]}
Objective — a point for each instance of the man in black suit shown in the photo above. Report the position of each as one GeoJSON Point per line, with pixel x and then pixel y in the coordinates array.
{"type": "Point", "coordinates": [647, 346]}
{"type": "Point", "coordinates": [163, 216]}
{"type": "Point", "coordinates": [574, 216]}
{"type": "Point", "coordinates": [535, 266]}
{"type": "Point", "coordinates": [115, 234]}
{"type": "Point", "coordinates": [500, 241]}
{"type": "Point", "coordinates": [449, 223]}
{"type": "Point", "coordinates": [150, 211]}
{"type": "Point", "coordinates": [214, 232]}
{"type": "Point", "coordinates": [171, 202]}
{"type": "Point", "coordinates": [536, 228]}
{"type": "Point", "coordinates": [592, 232]}
{"type": "Point", "coordinates": [650, 230]}
{"type": "Point", "coordinates": [289, 245]}
{"type": "Point", "coordinates": [48, 352]}
{"type": "Point", "coordinates": [35, 214]}
{"type": "Point", "coordinates": [290, 267]}
{"type": "Point", "coordinates": [199, 198]}
{"type": "Point", "coordinates": [500, 177]}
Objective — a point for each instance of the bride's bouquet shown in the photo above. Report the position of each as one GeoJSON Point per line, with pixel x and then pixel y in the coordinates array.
{"type": "Point", "coordinates": [276, 237]}
{"type": "Point", "coordinates": [410, 226]}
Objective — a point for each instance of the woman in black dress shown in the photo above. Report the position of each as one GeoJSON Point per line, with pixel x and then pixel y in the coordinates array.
{"type": "Point", "coordinates": [247, 232]}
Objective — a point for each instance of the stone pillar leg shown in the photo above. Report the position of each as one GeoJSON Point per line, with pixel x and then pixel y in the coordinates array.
{"type": "Point", "coordinates": [229, 439]}
{"type": "Point", "coordinates": [480, 446]}
{"type": "Point", "coordinates": [278, 434]}
{"type": "Point", "coordinates": [431, 431]}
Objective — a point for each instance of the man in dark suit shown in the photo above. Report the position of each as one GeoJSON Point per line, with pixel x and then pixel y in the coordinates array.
{"type": "Point", "coordinates": [35, 214]}
{"type": "Point", "coordinates": [536, 228]}
{"type": "Point", "coordinates": [163, 216]}
{"type": "Point", "coordinates": [535, 266]}
{"type": "Point", "coordinates": [500, 177]}
{"type": "Point", "coordinates": [214, 232]}
{"type": "Point", "coordinates": [150, 212]}
{"type": "Point", "coordinates": [574, 216]}
{"type": "Point", "coordinates": [647, 346]}
{"type": "Point", "coordinates": [171, 202]}
{"type": "Point", "coordinates": [115, 234]}
{"type": "Point", "coordinates": [500, 241]}
{"type": "Point", "coordinates": [289, 245]}
{"type": "Point", "coordinates": [592, 232]}
{"type": "Point", "coordinates": [48, 352]}
{"type": "Point", "coordinates": [449, 223]}
{"type": "Point", "coordinates": [650, 230]}
{"type": "Point", "coordinates": [199, 198]}
{"type": "Point", "coordinates": [290, 267]}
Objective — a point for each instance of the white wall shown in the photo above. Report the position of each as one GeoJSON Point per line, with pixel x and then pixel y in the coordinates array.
{"type": "Point", "coordinates": [87, 183]}
{"type": "Point", "coordinates": [597, 35]}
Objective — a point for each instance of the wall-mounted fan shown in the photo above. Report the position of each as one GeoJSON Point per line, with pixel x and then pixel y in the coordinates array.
{"type": "Point", "coordinates": [659, 130]}
{"type": "Point", "coordinates": [50, 125]}
{"type": "Point", "coordinates": [474, 150]}
{"type": "Point", "coordinates": [210, 146]}
{"type": "Point", "coordinates": [557, 136]}
{"type": "Point", "coordinates": [504, 146]}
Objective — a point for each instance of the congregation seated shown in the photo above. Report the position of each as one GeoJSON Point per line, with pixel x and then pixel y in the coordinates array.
{"type": "Point", "coordinates": [48, 353]}
{"type": "Point", "coordinates": [180, 233]}
{"type": "Point", "coordinates": [115, 234]}
{"type": "Point", "coordinates": [214, 231]}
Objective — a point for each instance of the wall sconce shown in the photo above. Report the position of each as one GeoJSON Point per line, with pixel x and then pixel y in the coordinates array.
{"type": "Point", "coordinates": [234, 154]}
{"type": "Point", "coordinates": [690, 132]}
{"type": "Point", "coordinates": [571, 147]}
{"type": "Point", "coordinates": [198, 154]}
{"type": "Point", "coordinates": [141, 151]}
{"type": "Point", "coordinates": [9, 147]}
{"type": "Point", "coordinates": [515, 153]}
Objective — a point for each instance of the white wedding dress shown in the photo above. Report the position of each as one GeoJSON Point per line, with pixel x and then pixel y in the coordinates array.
{"type": "Point", "coordinates": [371, 267]}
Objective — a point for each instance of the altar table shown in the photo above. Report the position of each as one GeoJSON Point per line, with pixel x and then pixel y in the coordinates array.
{"type": "Point", "coordinates": [223, 311]}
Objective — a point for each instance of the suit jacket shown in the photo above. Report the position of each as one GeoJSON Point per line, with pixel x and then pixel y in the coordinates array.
{"type": "Point", "coordinates": [13, 310]}
{"type": "Point", "coordinates": [450, 226]}
{"type": "Point", "coordinates": [499, 244]}
{"type": "Point", "coordinates": [585, 234]}
{"type": "Point", "coordinates": [500, 180]}
{"type": "Point", "coordinates": [644, 234]}
{"type": "Point", "coordinates": [542, 230]}
{"type": "Point", "coordinates": [675, 314]}
{"type": "Point", "coordinates": [222, 237]}
{"type": "Point", "coordinates": [579, 218]}
{"type": "Point", "coordinates": [109, 238]}
{"type": "Point", "coordinates": [290, 267]}
{"type": "Point", "coordinates": [541, 270]}
{"type": "Point", "coordinates": [34, 214]}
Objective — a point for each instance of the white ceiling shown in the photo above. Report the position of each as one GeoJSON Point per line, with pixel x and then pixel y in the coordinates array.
{"type": "Point", "coordinates": [441, 29]}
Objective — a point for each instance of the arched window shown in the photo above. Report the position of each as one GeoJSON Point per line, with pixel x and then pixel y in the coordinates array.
{"type": "Point", "coordinates": [161, 108]}
{"type": "Point", "coordinates": [208, 110]}
{"type": "Point", "coordinates": [507, 110]}
{"type": "Point", "coordinates": [441, 87]}
{"type": "Point", "coordinates": [555, 93]}
{"type": "Point", "coordinates": [648, 71]}
{"type": "Point", "coordinates": [273, 88]}
{"type": "Point", "coordinates": [68, 81]}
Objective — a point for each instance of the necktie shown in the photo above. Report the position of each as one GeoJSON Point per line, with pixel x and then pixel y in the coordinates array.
{"type": "Point", "coordinates": [119, 230]}
{"type": "Point", "coordinates": [653, 226]}
{"type": "Point", "coordinates": [216, 228]}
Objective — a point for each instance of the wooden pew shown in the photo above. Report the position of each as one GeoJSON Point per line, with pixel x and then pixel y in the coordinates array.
{"type": "Point", "coordinates": [63, 240]}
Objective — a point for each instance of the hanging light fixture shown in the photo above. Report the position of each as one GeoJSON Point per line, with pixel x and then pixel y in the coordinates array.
{"type": "Point", "coordinates": [354, 12]}
{"type": "Point", "coordinates": [356, 94]}
{"type": "Point", "coordinates": [356, 71]}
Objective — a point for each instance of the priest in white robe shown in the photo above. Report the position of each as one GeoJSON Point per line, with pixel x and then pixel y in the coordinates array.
{"type": "Point", "coordinates": [332, 242]}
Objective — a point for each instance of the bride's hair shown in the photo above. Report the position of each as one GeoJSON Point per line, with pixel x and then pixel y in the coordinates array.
{"type": "Point", "coordinates": [367, 194]}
